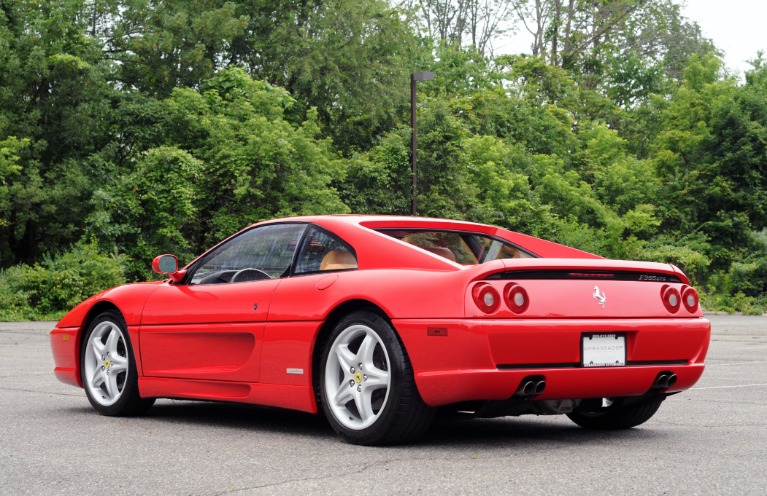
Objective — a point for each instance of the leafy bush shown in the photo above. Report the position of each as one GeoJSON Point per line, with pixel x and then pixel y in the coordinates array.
{"type": "Point", "coordinates": [739, 302]}
{"type": "Point", "coordinates": [691, 260]}
{"type": "Point", "coordinates": [46, 290]}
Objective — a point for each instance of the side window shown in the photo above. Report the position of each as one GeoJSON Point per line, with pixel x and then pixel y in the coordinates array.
{"type": "Point", "coordinates": [322, 251]}
{"type": "Point", "coordinates": [461, 247]}
{"type": "Point", "coordinates": [260, 253]}
{"type": "Point", "coordinates": [448, 245]}
{"type": "Point", "coordinates": [492, 249]}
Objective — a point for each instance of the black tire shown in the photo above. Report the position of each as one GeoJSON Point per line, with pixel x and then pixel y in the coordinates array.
{"type": "Point", "coordinates": [617, 416]}
{"type": "Point", "coordinates": [108, 368]}
{"type": "Point", "coordinates": [391, 410]}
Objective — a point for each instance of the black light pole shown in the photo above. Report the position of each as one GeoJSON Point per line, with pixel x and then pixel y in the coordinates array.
{"type": "Point", "coordinates": [416, 76]}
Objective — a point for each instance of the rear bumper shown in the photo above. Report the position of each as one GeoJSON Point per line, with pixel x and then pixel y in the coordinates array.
{"type": "Point", "coordinates": [473, 359]}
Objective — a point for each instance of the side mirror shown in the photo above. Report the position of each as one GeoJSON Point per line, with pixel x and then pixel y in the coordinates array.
{"type": "Point", "coordinates": [167, 265]}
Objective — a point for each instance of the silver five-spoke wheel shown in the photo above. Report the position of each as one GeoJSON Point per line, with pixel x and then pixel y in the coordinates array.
{"type": "Point", "coordinates": [365, 383]}
{"type": "Point", "coordinates": [106, 363]}
{"type": "Point", "coordinates": [357, 379]}
{"type": "Point", "coordinates": [107, 368]}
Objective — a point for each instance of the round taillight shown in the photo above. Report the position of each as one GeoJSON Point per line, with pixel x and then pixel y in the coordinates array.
{"type": "Point", "coordinates": [486, 297]}
{"type": "Point", "coordinates": [690, 299]}
{"type": "Point", "coordinates": [672, 300]}
{"type": "Point", "coordinates": [516, 298]}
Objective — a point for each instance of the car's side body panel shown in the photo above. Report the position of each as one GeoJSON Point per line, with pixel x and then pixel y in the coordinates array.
{"type": "Point", "coordinates": [225, 352]}
{"type": "Point", "coordinates": [398, 292]}
{"type": "Point", "coordinates": [287, 352]}
{"type": "Point", "coordinates": [212, 332]}
{"type": "Point", "coordinates": [209, 304]}
{"type": "Point", "coordinates": [282, 396]}
{"type": "Point", "coordinates": [285, 373]}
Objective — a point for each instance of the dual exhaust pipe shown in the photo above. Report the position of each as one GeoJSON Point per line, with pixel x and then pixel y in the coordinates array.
{"type": "Point", "coordinates": [531, 386]}
{"type": "Point", "coordinates": [664, 380]}
{"type": "Point", "coordinates": [535, 385]}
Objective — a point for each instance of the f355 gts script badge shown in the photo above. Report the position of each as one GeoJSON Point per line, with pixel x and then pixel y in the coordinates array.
{"type": "Point", "coordinates": [599, 296]}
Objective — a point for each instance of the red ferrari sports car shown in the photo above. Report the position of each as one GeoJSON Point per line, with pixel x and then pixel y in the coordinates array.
{"type": "Point", "coordinates": [381, 321]}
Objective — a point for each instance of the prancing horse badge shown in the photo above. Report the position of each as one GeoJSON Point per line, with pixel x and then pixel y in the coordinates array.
{"type": "Point", "coordinates": [600, 297]}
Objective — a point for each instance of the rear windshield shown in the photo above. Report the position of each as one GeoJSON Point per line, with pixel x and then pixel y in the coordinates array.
{"type": "Point", "coordinates": [462, 247]}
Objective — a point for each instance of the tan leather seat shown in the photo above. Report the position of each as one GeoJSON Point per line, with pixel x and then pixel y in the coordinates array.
{"type": "Point", "coordinates": [442, 252]}
{"type": "Point", "coordinates": [338, 260]}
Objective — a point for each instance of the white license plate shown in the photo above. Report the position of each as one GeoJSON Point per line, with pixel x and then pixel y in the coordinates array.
{"type": "Point", "coordinates": [603, 350]}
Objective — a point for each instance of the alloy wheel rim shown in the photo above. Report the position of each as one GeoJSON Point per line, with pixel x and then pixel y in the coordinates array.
{"type": "Point", "coordinates": [106, 363]}
{"type": "Point", "coordinates": [357, 377]}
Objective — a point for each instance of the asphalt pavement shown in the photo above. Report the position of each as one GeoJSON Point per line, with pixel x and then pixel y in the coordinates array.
{"type": "Point", "coordinates": [709, 440]}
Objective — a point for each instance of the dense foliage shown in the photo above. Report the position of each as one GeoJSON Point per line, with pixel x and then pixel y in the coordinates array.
{"type": "Point", "coordinates": [130, 128]}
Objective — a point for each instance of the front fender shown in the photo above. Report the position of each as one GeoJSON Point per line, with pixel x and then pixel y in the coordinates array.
{"type": "Point", "coordinates": [67, 336]}
{"type": "Point", "coordinates": [129, 300]}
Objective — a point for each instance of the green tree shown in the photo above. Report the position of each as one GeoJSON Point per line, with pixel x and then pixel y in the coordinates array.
{"type": "Point", "coordinates": [161, 45]}
{"type": "Point", "coordinates": [693, 184]}
{"type": "Point", "coordinates": [349, 59]}
{"type": "Point", "coordinates": [473, 23]}
{"type": "Point", "coordinates": [626, 47]}
{"type": "Point", "coordinates": [379, 181]}
{"type": "Point", "coordinates": [151, 210]}
{"type": "Point", "coordinates": [738, 149]}
{"type": "Point", "coordinates": [54, 97]}
{"type": "Point", "coordinates": [225, 156]}
{"type": "Point", "coordinates": [9, 168]}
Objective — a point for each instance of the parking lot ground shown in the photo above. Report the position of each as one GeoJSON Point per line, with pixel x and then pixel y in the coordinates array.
{"type": "Point", "coordinates": [709, 440]}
